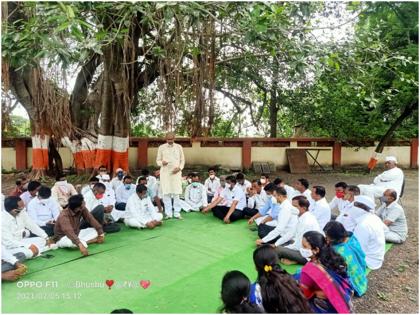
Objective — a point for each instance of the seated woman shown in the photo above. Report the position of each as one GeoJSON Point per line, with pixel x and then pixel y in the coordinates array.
{"type": "Point", "coordinates": [235, 292]}
{"type": "Point", "coordinates": [275, 290]}
{"type": "Point", "coordinates": [347, 245]}
{"type": "Point", "coordinates": [324, 279]}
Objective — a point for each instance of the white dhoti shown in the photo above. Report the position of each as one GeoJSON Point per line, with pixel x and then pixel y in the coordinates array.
{"type": "Point", "coordinates": [167, 202]}
{"type": "Point", "coordinates": [270, 223]}
{"type": "Point", "coordinates": [39, 242]}
{"type": "Point", "coordinates": [141, 223]}
{"type": "Point", "coordinates": [117, 214]}
{"type": "Point", "coordinates": [85, 235]}
{"type": "Point", "coordinates": [373, 191]}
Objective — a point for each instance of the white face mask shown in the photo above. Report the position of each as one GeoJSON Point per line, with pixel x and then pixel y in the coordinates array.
{"type": "Point", "coordinates": [212, 176]}
{"type": "Point", "coordinates": [273, 200]}
{"type": "Point", "coordinates": [263, 181]}
{"type": "Point", "coordinates": [306, 253]}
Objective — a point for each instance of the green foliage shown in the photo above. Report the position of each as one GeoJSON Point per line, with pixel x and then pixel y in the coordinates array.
{"type": "Point", "coordinates": [18, 127]}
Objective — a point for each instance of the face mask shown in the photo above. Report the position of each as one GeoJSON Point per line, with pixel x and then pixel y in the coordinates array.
{"type": "Point", "coordinates": [263, 180]}
{"type": "Point", "coordinates": [120, 175]}
{"type": "Point", "coordinates": [212, 176]}
{"type": "Point", "coordinates": [306, 253]}
{"type": "Point", "coordinates": [99, 196]}
{"type": "Point", "coordinates": [127, 186]}
{"type": "Point", "coordinates": [273, 200]}
{"type": "Point", "coordinates": [339, 194]}
{"type": "Point", "coordinates": [195, 185]}
{"type": "Point", "coordinates": [383, 199]}
{"type": "Point", "coordinates": [189, 180]}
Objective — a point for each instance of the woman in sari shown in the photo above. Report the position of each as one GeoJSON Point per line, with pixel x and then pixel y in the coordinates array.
{"type": "Point", "coordinates": [347, 245]}
{"type": "Point", "coordinates": [324, 279]}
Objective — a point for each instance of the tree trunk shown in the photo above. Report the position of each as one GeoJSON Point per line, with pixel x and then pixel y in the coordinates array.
{"type": "Point", "coordinates": [273, 114]}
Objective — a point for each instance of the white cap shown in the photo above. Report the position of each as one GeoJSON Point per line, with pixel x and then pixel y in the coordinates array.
{"type": "Point", "coordinates": [119, 170]}
{"type": "Point", "coordinates": [367, 201]}
{"type": "Point", "coordinates": [391, 159]}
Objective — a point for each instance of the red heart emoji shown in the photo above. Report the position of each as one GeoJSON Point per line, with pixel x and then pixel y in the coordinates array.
{"type": "Point", "coordinates": [109, 283]}
{"type": "Point", "coordinates": [145, 283]}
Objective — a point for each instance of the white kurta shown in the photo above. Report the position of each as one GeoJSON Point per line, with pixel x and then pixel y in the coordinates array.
{"type": "Point", "coordinates": [106, 200]}
{"type": "Point", "coordinates": [321, 210]}
{"type": "Point", "coordinates": [195, 197]}
{"type": "Point", "coordinates": [174, 155]}
{"type": "Point", "coordinates": [390, 179]}
{"type": "Point", "coordinates": [139, 212]}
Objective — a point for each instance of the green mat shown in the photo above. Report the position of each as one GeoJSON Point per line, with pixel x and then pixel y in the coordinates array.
{"type": "Point", "coordinates": [183, 260]}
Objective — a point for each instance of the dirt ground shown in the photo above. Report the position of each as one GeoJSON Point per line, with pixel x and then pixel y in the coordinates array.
{"type": "Point", "coordinates": [393, 288]}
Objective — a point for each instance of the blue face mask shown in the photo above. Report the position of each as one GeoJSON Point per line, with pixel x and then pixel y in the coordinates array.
{"type": "Point", "coordinates": [120, 175]}
{"type": "Point", "coordinates": [127, 186]}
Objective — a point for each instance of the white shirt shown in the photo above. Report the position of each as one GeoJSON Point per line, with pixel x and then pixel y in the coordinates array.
{"type": "Point", "coordinates": [345, 219]}
{"type": "Point", "coordinates": [236, 194]}
{"type": "Point", "coordinates": [26, 198]}
{"type": "Point", "coordinates": [247, 184]}
{"type": "Point", "coordinates": [338, 203]}
{"type": "Point", "coordinates": [13, 229]}
{"type": "Point", "coordinates": [62, 191]}
{"type": "Point", "coordinates": [306, 193]}
{"type": "Point", "coordinates": [306, 222]}
{"type": "Point", "coordinates": [122, 194]}
{"type": "Point", "coordinates": [286, 224]}
{"type": "Point", "coordinates": [85, 189]}
{"type": "Point", "coordinates": [291, 192]}
{"type": "Point", "coordinates": [92, 202]}
{"type": "Point", "coordinates": [211, 185]}
{"type": "Point", "coordinates": [196, 196]}
{"type": "Point", "coordinates": [43, 210]}
{"type": "Point", "coordinates": [369, 232]}
{"type": "Point", "coordinates": [116, 182]}
{"type": "Point", "coordinates": [321, 210]}
{"type": "Point", "coordinates": [258, 200]}
{"type": "Point", "coordinates": [390, 179]}
{"type": "Point", "coordinates": [140, 209]}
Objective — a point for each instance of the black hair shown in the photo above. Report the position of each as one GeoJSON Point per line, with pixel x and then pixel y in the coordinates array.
{"type": "Point", "coordinates": [302, 202]}
{"type": "Point", "coordinates": [44, 192]}
{"type": "Point", "coordinates": [102, 166]}
{"type": "Point", "coordinates": [141, 188]}
{"type": "Point", "coordinates": [319, 190]}
{"type": "Point", "coordinates": [341, 184]}
{"type": "Point", "coordinates": [280, 191]}
{"type": "Point", "coordinates": [211, 169]}
{"type": "Point", "coordinates": [361, 206]}
{"type": "Point", "coordinates": [269, 187]}
{"type": "Point", "coordinates": [142, 178]}
{"type": "Point", "coordinates": [335, 232]}
{"type": "Point", "coordinates": [33, 184]}
{"type": "Point", "coordinates": [354, 189]}
{"type": "Point", "coordinates": [18, 182]}
{"type": "Point", "coordinates": [265, 175]}
{"type": "Point", "coordinates": [277, 181]}
{"type": "Point", "coordinates": [326, 255]}
{"type": "Point", "coordinates": [304, 182]}
{"type": "Point", "coordinates": [231, 179]}
{"type": "Point", "coordinates": [75, 201]}
{"type": "Point", "coordinates": [393, 194]}
{"type": "Point", "coordinates": [195, 175]}
{"type": "Point", "coordinates": [235, 292]}
{"type": "Point", "coordinates": [145, 172]}
{"type": "Point", "coordinates": [94, 179]}
{"type": "Point", "coordinates": [127, 177]}
{"type": "Point", "coordinates": [240, 176]}
{"type": "Point", "coordinates": [99, 185]}
{"type": "Point", "coordinates": [122, 311]}
{"type": "Point", "coordinates": [280, 292]}
{"type": "Point", "coordinates": [190, 174]}
{"type": "Point", "coordinates": [59, 177]}
{"type": "Point", "coordinates": [257, 181]}
{"type": "Point", "coordinates": [11, 203]}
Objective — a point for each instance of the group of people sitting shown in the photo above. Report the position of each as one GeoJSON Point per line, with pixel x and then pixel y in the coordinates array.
{"type": "Point", "coordinates": [294, 223]}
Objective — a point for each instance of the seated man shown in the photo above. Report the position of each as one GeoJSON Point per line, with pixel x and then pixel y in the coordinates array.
{"type": "Point", "coordinates": [212, 183]}
{"type": "Point", "coordinates": [150, 180]}
{"type": "Point", "coordinates": [18, 190]}
{"type": "Point", "coordinates": [320, 207]}
{"type": "Point", "coordinates": [117, 181]}
{"type": "Point", "coordinates": [287, 220]}
{"type": "Point", "coordinates": [102, 209]}
{"type": "Point", "coordinates": [62, 190]}
{"type": "Point", "coordinates": [30, 194]}
{"type": "Point", "coordinates": [290, 254]}
{"type": "Point", "coordinates": [195, 198]}
{"type": "Point", "coordinates": [344, 217]}
{"type": "Point", "coordinates": [44, 210]}
{"type": "Point", "coordinates": [68, 231]}
{"type": "Point", "coordinates": [291, 192]}
{"type": "Point", "coordinates": [140, 211]}
{"type": "Point", "coordinates": [392, 178]}
{"type": "Point", "coordinates": [243, 183]}
{"type": "Point", "coordinates": [393, 216]}
{"type": "Point", "coordinates": [235, 202]}
{"type": "Point", "coordinates": [15, 237]}
{"type": "Point", "coordinates": [109, 191]}
{"type": "Point", "coordinates": [123, 192]}
{"type": "Point", "coordinates": [264, 179]}
{"type": "Point", "coordinates": [268, 213]}
{"type": "Point", "coordinates": [11, 265]}
{"type": "Point", "coordinates": [257, 199]}
{"type": "Point", "coordinates": [302, 189]}
{"type": "Point", "coordinates": [338, 201]}
{"type": "Point", "coordinates": [369, 231]}
{"type": "Point", "coordinates": [92, 181]}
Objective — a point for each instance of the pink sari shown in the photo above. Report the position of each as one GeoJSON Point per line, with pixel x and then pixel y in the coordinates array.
{"type": "Point", "coordinates": [337, 289]}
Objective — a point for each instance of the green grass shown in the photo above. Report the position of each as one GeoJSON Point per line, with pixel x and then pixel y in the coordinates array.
{"type": "Point", "coordinates": [184, 261]}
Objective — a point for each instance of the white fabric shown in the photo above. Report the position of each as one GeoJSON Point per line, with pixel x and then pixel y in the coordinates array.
{"type": "Point", "coordinates": [139, 212]}
{"type": "Point", "coordinates": [42, 211]}
{"type": "Point", "coordinates": [26, 198]}
{"type": "Point", "coordinates": [291, 192]}
{"type": "Point", "coordinates": [321, 210]}
{"type": "Point", "coordinates": [367, 201]}
{"type": "Point", "coordinates": [286, 224]}
{"type": "Point", "coordinates": [258, 200]}
{"type": "Point", "coordinates": [260, 219]}
{"type": "Point", "coordinates": [116, 182]}
{"type": "Point", "coordinates": [247, 184]}
{"type": "Point", "coordinates": [345, 219]}
{"type": "Point", "coordinates": [122, 194]}
{"type": "Point", "coordinates": [62, 191]}
{"type": "Point", "coordinates": [338, 203]}
{"type": "Point", "coordinates": [85, 189]}
{"type": "Point", "coordinates": [174, 155]}
{"type": "Point", "coordinates": [195, 197]}
{"type": "Point", "coordinates": [106, 200]}
{"type": "Point", "coordinates": [391, 159]}
{"type": "Point", "coordinates": [211, 185]}
{"type": "Point", "coordinates": [236, 194]}
{"type": "Point", "coordinates": [390, 179]}
{"type": "Point", "coordinates": [306, 222]}
{"type": "Point", "coordinates": [167, 202]}
{"type": "Point", "coordinates": [369, 231]}
{"type": "Point", "coordinates": [7, 256]}
{"type": "Point", "coordinates": [85, 235]}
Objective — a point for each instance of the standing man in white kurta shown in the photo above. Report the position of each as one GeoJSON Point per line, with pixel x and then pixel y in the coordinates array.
{"type": "Point", "coordinates": [170, 158]}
